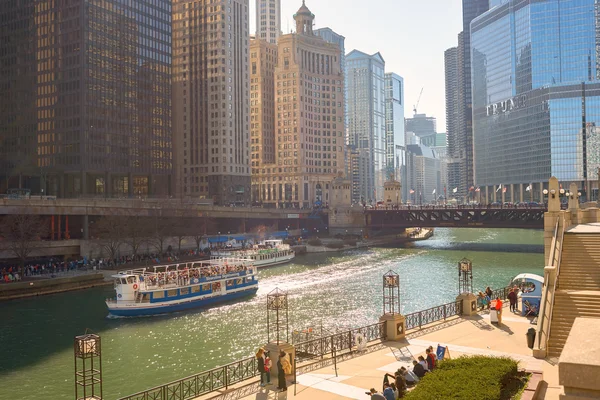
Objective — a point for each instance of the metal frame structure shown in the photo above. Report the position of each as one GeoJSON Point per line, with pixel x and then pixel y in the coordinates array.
{"type": "Point", "coordinates": [277, 301]}
{"type": "Point", "coordinates": [88, 367]}
{"type": "Point", "coordinates": [391, 293]}
{"type": "Point", "coordinates": [472, 217]}
{"type": "Point", "coordinates": [465, 276]}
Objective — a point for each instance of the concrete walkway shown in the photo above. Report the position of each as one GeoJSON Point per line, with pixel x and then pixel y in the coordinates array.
{"type": "Point", "coordinates": [462, 336]}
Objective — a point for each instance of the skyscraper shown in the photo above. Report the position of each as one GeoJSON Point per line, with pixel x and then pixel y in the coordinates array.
{"type": "Point", "coordinates": [394, 127]}
{"type": "Point", "coordinates": [268, 20]}
{"type": "Point", "coordinates": [86, 97]}
{"type": "Point", "coordinates": [471, 10]}
{"type": "Point", "coordinates": [535, 108]}
{"type": "Point", "coordinates": [309, 120]}
{"type": "Point", "coordinates": [365, 75]}
{"type": "Point", "coordinates": [452, 120]}
{"type": "Point", "coordinates": [210, 99]}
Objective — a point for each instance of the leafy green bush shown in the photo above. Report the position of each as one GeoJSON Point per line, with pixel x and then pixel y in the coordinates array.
{"type": "Point", "coordinates": [469, 378]}
{"type": "Point", "coordinates": [315, 242]}
{"type": "Point", "coordinates": [335, 245]}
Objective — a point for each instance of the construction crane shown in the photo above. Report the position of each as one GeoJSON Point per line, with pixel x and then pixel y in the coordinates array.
{"type": "Point", "coordinates": [418, 101]}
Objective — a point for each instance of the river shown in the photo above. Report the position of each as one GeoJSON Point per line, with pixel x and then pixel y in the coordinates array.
{"type": "Point", "coordinates": [344, 290]}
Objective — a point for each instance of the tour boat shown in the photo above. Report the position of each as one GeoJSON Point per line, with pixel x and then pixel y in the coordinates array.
{"type": "Point", "coordinates": [265, 254]}
{"type": "Point", "coordinates": [176, 287]}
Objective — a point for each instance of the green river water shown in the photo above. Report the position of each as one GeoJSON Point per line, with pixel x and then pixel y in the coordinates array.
{"type": "Point", "coordinates": [36, 337]}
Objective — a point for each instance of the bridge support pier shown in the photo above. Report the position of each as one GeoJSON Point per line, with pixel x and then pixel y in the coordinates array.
{"type": "Point", "coordinates": [395, 326]}
{"type": "Point", "coordinates": [469, 304]}
{"type": "Point", "coordinates": [86, 227]}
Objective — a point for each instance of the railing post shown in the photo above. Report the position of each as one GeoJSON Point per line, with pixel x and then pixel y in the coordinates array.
{"type": "Point", "coordinates": [420, 319]}
{"type": "Point", "coordinates": [444, 311]}
{"type": "Point", "coordinates": [350, 340]}
{"type": "Point", "coordinates": [226, 378]}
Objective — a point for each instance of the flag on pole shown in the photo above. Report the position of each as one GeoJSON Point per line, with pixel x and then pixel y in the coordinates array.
{"type": "Point", "coordinates": [499, 187]}
{"type": "Point", "coordinates": [471, 188]}
{"type": "Point", "coordinates": [412, 191]}
{"type": "Point", "coordinates": [433, 191]}
{"type": "Point", "coordinates": [455, 190]}
{"type": "Point", "coordinates": [504, 190]}
{"type": "Point", "coordinates": [478, 189]}
{"type": "Point", "coordinates": [528, 188]}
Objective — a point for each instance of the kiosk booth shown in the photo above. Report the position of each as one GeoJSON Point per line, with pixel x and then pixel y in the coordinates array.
{"type": "Point", "coordinates": [530, 292]}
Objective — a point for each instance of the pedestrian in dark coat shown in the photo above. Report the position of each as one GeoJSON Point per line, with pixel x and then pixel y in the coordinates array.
{"type": "Point", "coordinates": [281, 383]}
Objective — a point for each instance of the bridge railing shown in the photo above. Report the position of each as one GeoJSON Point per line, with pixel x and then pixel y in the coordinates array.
{"type": "Point", "coordinates": [420, 318]}
{"type": "Point", "coordinates": [551, 274]}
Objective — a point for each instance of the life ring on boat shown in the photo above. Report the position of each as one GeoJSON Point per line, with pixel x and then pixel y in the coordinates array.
{"type": "Point", "coordinates": [135, 286]}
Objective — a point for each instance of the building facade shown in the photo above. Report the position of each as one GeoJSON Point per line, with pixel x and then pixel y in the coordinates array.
{"type": "Point", "coordinates": [211, 99]}
{"type": "Point", "coordinates": [309, 121]}
{"type": "Point", "coordinates": [394, 128]}
{"type": "Point", "coordinates": [425, 177]}
{"type": "Point", "coordinates": [86, 97]}
{"type": "Point", "coordinates": [263, 59]}
{"type": "Point", "coordinates": [463, 152]}
{"type": "Point", "coordinates": [365, 75]}
{"type": "Point", "coordinates": [268, 20]}
{"type": "Point", "coordinates": [421, 125]}
{"type": "Point", "coordinates": [455, 152]}
{"type": "Point", "coordinates": [536, 97]}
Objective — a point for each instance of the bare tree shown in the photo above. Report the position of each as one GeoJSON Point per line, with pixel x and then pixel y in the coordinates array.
{"type": "Point", "coordinates": [201, 230]}
{"type": "Point", "coordinates": [161, 229]}
{"type": "Point", "coordinates": [111, 232]}
{"type": "Point", "coordinates": [23, 233]}
{"type": "Point", "coordinates": [261, 231]}
{"type": "Point", "coordinates": [136, 232]}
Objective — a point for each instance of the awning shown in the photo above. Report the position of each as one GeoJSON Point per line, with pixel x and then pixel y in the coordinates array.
{"type": "Point", "coordinates": [220, 239]}
{"type": "Point", "coordinates": [282, 234]}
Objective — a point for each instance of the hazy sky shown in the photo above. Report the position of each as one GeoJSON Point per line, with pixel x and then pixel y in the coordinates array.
{"type": "Point", "coordinates": [411, 35]}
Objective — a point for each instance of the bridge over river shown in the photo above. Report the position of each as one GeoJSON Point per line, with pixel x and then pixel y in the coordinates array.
{"type": "Point", "coordinates": [456, 217]}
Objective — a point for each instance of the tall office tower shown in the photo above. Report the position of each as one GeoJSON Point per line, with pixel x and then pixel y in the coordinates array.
{"type": "Point", "coordinates": [394, 128]}
{"type": "Point", "coordinates": [454, 157]}
{"type": "Point", "coordinates": [263, 58]}
{"type": "Point", "coordinates": [86, 97]}
{"type": "Point", "coordinates": [471, 10]}
{"type": "Point", "coordinates": [309, 120]}
{"type": "Point", "coordinates": [329, 35]}
{"type": "Point", "coordinates": [365, 75]}
{"type": "Point", "coordinates": [210, 99]}
{"type": "Point", "coordinates": [268, 20]}
{"type": "Point", "coordinates": [536, 108]}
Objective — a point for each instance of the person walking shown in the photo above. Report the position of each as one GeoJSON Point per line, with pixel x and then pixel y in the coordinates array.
{"type": "Point", "coordinates": [512, 298]}
{"type": "Point", "coordinates": [489, 294]}
{"type": "Point", "coordinates": [281, 382]}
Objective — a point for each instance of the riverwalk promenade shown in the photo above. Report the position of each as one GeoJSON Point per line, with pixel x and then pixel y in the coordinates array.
{"type": "Point", "coordinates": [473, 335]}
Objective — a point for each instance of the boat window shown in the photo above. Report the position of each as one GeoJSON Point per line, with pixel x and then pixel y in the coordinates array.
{"type": "Point", "coordinates": [206, 288]}
{"type": "Point", "coordinates": [195, 289]}
{"type": "Point", "coordinates": [239, 281]}
{"type": "Point", "coordinates": [158, 295]}
{"type": "Point", "coordinates": [130, 279]}
{"type": "Point", "coordinates": [146, 298]}
{"type": "Point", "coordinates": [230, 282]}
{"type": "Point", "coordinates": [183, 291]}
{"type": "Point", "coordinates": [172, 293]}
{"type": "Point", "coordinates": [123, 281]}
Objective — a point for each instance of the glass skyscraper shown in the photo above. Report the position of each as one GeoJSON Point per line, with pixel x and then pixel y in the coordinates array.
{"type": "Point", "coordinates": [86, 97]}
{"type": "Point", "coordinates": [536, 96]}
{"type": "Point", "coordinates": [394, 126]}
{"type": "Point", "coordinates": [365, 85]}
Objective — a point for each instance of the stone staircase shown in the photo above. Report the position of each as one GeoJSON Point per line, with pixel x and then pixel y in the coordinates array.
{"type": "Point", "coordinates": [578, 290]}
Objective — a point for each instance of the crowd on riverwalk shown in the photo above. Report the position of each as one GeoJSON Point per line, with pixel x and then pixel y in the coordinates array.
{"type": "Point", "coordinates": [51, 267]}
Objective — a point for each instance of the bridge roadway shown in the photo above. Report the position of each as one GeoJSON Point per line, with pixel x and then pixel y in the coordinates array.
{"type": "Point", "coordinates": [141, 208]}
{"type": "Point", "coordinates": [456, 217]}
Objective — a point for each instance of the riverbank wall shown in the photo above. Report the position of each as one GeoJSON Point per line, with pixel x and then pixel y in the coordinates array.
{"type": "Point", "coordinates": [52, 285]}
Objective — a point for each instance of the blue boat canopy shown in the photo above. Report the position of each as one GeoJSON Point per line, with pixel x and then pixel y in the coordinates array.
{"type": "Point", "coordinates": [220, 239]}
{"type": "Point", "coordinates": [282, 234]}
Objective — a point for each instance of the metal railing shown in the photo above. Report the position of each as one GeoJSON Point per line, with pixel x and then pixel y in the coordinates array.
{"type": "Point", "coordinates": [545, 322]}
{"type": "Point", "coordinates": [502, 293]}
{"type": "Point", "coordinates": [333, 345]}
{"type": "Point", "coordinates": [338, 342]}
{"type": "Point", "coordinates": [434, 314]}
{"type": "Point", "coordinates": [202, 383]}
